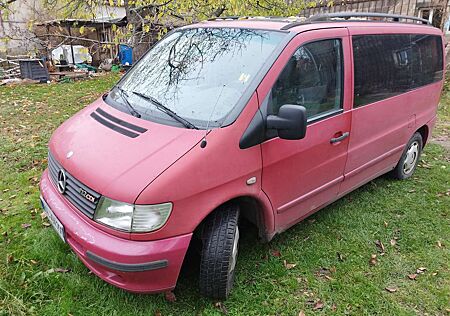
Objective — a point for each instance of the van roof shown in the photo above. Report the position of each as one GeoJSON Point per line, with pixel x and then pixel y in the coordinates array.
{"type": "Point", "coordinates": [330, 20]}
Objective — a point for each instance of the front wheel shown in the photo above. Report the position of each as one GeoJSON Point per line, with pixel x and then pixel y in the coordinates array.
{"type": "Point", "coordinates": [220, 239]}
{"type": "Point", "coordinates": [409, 159]}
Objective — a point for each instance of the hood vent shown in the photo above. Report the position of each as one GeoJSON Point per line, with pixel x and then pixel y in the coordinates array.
{"type": "Point", "coordinates": [117, 124]}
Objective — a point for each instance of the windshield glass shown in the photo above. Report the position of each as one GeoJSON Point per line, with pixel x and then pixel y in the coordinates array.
{"type": "Point", "coordinates": [199, 74]}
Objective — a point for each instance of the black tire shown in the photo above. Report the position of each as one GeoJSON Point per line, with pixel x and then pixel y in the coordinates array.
{"type": "Point", "coordinates": [220, 237]}
{"type": "Point", "coordinates": [409, 159]}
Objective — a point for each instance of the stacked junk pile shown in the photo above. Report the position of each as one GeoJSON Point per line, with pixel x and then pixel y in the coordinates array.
{"type": "Point", "coordinates": [65, 64]}
{"type": "Point", "coordinates": [67, 60]}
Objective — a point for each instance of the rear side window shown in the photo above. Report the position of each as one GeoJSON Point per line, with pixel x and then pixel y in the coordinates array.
{"type": "Point", "coordinates": [387, 65]}
{"type": "Point", "coordinates": [312, 78]}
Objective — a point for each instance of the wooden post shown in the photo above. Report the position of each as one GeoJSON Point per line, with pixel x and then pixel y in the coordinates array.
{"type": "Point", "coordinates": [444, 15]}
{"type": "Point", "coordinates": [71, 45]}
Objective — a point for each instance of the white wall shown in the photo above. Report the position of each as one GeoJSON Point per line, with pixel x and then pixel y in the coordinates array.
{"type": "Point", "coordinates": [15, 26]}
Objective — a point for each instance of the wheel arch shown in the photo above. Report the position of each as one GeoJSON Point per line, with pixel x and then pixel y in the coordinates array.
{"type": "Point", "coordinates": [256, 210]}
{"type": "Point", "coordinates": [424, 132]}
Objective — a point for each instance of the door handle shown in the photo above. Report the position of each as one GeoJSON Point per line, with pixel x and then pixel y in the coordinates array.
{"type": "Point", "coordinates": [340, 138]}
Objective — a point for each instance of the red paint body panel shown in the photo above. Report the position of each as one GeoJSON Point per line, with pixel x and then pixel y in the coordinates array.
{"type": "Point", "coordinates": [82, 236]}
{"type": "Point", "coordinates": [207, 177]}
{"type": "Point", "coordinates": [294, 178]}
{"type": "Point", "coordinates": [300, 176]}
{"type": "Point", "coordinates": [380, 131]}
{"type": "Point", "coordinates": [106, 161]}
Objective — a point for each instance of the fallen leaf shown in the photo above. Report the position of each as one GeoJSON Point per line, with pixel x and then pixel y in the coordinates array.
{"type": "Point", "coordinates": [275, 253]}
{"type": "Point", "coordinates": [421, 270]}
{"type": "Point", "coordinates": [169, 296]}
{"type": "Point", "coordinates": [340, 256]}
{"type": "Point", "coordinates": [439, 244]}
{"type": "Point", "coordinates": [373, 259]}
{"type": "Point", "coordinates": [289, 265]}
{"type": "Point", "coordinates": [333, 307]}
{"type": "Point", "coordinates": [221, 307]}
{"type": "Point", "coordinates": [328, 277]}
{"type": "Point", "coordinates": [412, 276]}
{"type": "Point", "coordinates": [380, 245]}
{"type": "Point", "coordinates": [319, 305]}
{"type": "Point", "coordinates": [33, 261]}
{"type": "Point", "coordinates": [46, 224]}
{"type": "Point", "coordinates": [385, 224]}
{"type": "Point", "coordinates": [9, 258]}
{"type": "Point", "coordinates": [391, 289]}
{"type": "Point", "coordinates": [43, 215]}
{"type": "Point", "coordinates": [157, 313]}
{"type": "Point", "coordinates": [301, 313]}
{"type": "Point", "coordinates": [25, 226]}
{"type": "Point", "coordinates": [393, 242]}
{"type": "Point", "coordinates": [61, 270]}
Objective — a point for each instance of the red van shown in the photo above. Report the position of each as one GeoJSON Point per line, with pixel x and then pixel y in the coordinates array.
{"type": "Point", "coordinates": [264, 119]}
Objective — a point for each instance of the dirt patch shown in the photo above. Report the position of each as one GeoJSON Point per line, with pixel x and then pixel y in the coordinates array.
{"type": "Point", "coordinates": [442, 140]}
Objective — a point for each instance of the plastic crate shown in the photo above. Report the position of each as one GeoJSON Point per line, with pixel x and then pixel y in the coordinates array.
{"type": "Point", "coordinates": [35, 69]}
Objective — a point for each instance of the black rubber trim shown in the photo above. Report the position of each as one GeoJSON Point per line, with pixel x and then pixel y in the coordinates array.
{"type": "Point", "coordinates": [121, 122]}
{"type": "Point", "coordinates": [128, 267]}
{"type": "Point", "coordinates": [116, 128]}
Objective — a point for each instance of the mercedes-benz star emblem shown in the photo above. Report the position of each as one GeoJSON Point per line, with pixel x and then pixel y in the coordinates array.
{"type": "Point", "coordinates": [62, 181]}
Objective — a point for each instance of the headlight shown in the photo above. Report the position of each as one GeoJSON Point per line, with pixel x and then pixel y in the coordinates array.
{"type": "Point", "coordinates": [132, 218]}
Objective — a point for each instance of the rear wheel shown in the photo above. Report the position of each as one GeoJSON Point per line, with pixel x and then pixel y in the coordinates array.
{"type": "Point", "coordinates": [220, 239]}
{"type": "Point", "coordinates": [409, 159]}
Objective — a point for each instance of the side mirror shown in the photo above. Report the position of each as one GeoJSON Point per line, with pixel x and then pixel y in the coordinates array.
{"type": "Point", "coordinates": [290, 122]}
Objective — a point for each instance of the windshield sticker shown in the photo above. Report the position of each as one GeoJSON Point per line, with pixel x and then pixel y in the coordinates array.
{"type": "Point", "coordinates": [244, 77]}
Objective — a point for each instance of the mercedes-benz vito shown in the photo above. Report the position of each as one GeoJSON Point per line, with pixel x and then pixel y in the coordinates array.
{"type": "Point", "coordinates": [264, 119]}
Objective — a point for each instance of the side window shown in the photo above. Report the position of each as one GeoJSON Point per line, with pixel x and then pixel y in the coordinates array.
{"type": "Point", "coordinates": [312, 78]}
{"type": "Point", "coordinates": [427, 59]}
{"type": "Point", "coordinates": [388, 65]}
{"type": "Point", "coordinates": [382, 66]}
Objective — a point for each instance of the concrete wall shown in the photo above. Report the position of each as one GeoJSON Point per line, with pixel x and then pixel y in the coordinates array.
{"type": "Point", "coordinates": [15, 37]}
{"type": "Point", "coordinates": [14, 28]}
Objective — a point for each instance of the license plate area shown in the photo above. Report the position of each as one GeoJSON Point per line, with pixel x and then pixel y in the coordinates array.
{"type": "Point", "coordinates": [57, 225]}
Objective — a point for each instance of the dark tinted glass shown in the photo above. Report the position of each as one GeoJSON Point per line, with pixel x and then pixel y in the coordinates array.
{"type": "Point", "coordinates": [199, 73]}
{"type": "Point", "coordinates": [387, 65]}
{"type": "Point", "coordinates": [312, 78]}
{"type": "Point", "coordinates": [427, 59]}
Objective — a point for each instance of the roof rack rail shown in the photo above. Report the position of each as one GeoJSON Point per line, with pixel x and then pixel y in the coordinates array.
{"type": "Point", "coordinates": [221, 18]}
{"type": "Point", "coordinates": [326, 17]}
{"type": "Point", "coordinates": [289, 19]}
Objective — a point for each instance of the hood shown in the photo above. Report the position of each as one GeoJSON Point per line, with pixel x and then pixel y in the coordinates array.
{"type": "Point", "coordinates": [117, 154]}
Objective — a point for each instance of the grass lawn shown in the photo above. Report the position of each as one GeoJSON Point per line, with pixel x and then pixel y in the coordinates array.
{"type": "Point", "coordinates": [405, 224]}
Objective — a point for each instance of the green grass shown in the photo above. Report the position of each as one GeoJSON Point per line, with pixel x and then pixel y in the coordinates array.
{"type": "Point", "coordinates": [331, 249]}
{"type": "Point", "coordinates": [442, 129]}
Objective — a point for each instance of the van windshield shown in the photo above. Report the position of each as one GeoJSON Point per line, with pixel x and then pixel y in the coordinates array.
{"type": "Point", "coordinates": [199, 74]}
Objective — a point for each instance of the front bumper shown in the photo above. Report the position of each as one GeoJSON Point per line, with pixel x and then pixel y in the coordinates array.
{"type": "Point", "coordinates": [135, 266]}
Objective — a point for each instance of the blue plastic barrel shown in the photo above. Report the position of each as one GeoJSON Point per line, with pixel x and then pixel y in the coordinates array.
{"type": "Point", "coordinates": [125, 54]}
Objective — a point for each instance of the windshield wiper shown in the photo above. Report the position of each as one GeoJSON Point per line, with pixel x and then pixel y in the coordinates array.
{"type": "Point", "coordinates": [166, 110]}
{"type": "Point", "coordinates": [124, 96]}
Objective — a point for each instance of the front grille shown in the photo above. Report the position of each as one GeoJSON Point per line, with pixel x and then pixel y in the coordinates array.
{"type": "Point", "coordinates": [73, 189]}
